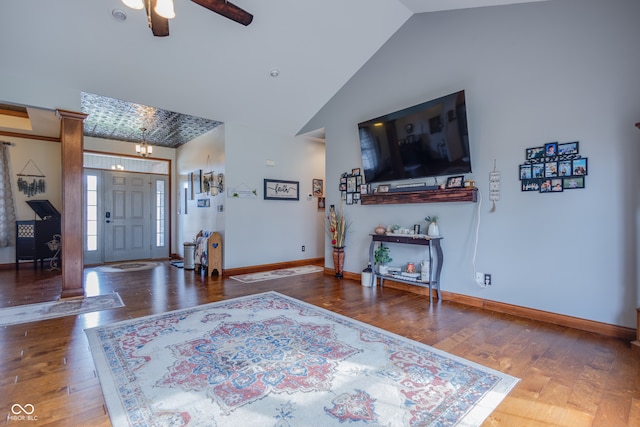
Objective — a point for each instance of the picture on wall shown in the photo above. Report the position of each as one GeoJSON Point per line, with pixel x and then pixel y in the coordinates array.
{"type": "Point", "coordinates": [196, 182]}
{"type": "Point", "coordinates": [553, 168]}
{"type": "Point", "coordinates": [351, 186]}
{"type": "Point", "coordinates": [318, 188]}
{"type": "Point", "coordinates": [276, 189]}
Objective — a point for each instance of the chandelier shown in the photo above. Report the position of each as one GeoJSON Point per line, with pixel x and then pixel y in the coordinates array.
{"type": "Point", "coordinates": [144, 149]}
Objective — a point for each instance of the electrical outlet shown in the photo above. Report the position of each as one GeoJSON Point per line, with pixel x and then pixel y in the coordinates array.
{"type": "Point", "coordinates": [487, 279]}
{"type": "Point", "coordinates": [480, 278]}
{"type": "Point", "coordinates": [303, 248]}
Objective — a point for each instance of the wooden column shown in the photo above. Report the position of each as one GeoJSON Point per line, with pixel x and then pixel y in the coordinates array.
{"type": "Point", "coordinates": [72, 141]}
{"type": "Point", "coordinates": [636, 343]}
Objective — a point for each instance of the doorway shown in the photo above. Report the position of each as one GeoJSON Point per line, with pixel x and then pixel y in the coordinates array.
{"type": "Point", "coordinates": [126, 216]}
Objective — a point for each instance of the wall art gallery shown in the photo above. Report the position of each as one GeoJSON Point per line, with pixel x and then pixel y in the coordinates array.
{"type": "Point", "coordinates": [553, 168]}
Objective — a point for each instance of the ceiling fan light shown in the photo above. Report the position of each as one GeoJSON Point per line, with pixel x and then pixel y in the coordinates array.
{"type": "Point", "coordinates": [164, 8]}
{"type": "Point", "coordinates": [134, 4]}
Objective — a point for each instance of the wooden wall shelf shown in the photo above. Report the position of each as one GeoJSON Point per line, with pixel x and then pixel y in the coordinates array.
{"type": "Point", "coordinates": [425, 196]}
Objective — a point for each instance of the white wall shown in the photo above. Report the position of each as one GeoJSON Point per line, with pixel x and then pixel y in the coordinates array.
{"type": "Point", "coordinates": [255, 231]}
{"type": "Point", "coordinates": [561, 70]}
{"type": "Point", "coordinates": [190, 158]}
{"type": "Point", "coordinates": [269, 231]}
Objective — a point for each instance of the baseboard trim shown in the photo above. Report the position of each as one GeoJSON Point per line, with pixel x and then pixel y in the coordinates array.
{"type": "Point", "coordinates": [275, 266]}
{"type": "Point", "coordinates": [615, 331]}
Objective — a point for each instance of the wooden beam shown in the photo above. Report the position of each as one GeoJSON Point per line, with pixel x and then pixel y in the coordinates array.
{"type": "Point", "coordinates": [30, 136]}
{"type": "Point", "coordinates": [72, 138]}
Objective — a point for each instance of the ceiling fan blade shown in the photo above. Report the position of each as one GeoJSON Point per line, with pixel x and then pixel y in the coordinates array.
{"type": "Point", "coordinates": [227, 9]}
{"type": "Point", "coordinates": [159, 25]}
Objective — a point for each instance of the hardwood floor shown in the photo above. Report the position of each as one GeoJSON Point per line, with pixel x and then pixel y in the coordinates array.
{"type": "Point", "coordinates": [568, 377]}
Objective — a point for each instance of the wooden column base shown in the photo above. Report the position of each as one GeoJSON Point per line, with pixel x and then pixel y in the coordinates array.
{"type": "Point", "coordinates": [72, 293]}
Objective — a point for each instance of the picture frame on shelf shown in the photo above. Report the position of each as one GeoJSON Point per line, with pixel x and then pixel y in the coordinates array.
{"type": "Point", "coordinates": [455, 182]}
{"type": "Point", "coordinates": [277, 189]}
{"type": "Point", "coordinates": [383, 188]}
{"type": "Point", "coordinates": [355, 171]}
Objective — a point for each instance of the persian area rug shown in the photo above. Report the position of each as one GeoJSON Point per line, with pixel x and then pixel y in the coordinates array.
{"type": "Point", "coordinates": [127, 266]}
{"type": "Point", "coordinates": [277, 274]}
{"type": "Point", "coordinates": [49, 310]}
{"type": "Point", "coordinates": [271, 360]}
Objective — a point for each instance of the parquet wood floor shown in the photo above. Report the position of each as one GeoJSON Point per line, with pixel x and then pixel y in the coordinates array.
{"type": "Point", "coordinates": [568, 377]}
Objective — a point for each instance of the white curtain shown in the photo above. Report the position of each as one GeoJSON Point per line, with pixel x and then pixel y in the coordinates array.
{"type": "Point", "coordinates": [7, 206]}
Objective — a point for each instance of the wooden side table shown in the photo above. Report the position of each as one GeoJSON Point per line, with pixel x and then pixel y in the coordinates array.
{"type": "Point", "coordinates": [431, 243]}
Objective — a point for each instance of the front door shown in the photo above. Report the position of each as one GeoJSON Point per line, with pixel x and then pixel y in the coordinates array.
{"type": "Point", "coordinates": [126, 216]}
{"type": "Point", "coordinates": [127, 208]}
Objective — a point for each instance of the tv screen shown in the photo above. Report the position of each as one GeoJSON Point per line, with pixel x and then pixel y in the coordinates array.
{"type": "Point", "coordinates": [427, 140]}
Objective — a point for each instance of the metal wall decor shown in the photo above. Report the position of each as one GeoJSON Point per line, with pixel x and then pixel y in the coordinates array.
{"type": "Point", "coordinates": [553, 168]}
{"type": "Point", "coordinates": [31, 180]}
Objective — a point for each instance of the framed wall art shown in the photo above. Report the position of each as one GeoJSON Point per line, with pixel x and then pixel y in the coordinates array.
{"type": "Point", "coordinates": [553, 168]}
{"type": "Point", "coordinates": [318, 188]}
{"type": "Point", "coordinates": [276, 189]}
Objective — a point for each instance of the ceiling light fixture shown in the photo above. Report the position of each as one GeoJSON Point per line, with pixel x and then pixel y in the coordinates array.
{"type": "Point", "coordinates": [134, 4]}
{"type": "Point", "coordinates": [165, 9]}
{"type": "Point", "coordinates": [144, 149]}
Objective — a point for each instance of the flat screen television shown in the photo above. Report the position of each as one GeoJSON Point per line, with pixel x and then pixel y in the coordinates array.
{"type": "Point", "coordinates": [426, 140]}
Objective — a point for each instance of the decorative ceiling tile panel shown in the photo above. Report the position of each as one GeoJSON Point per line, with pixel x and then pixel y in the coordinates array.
{"type": "Point", "coordinates": [110, 118]}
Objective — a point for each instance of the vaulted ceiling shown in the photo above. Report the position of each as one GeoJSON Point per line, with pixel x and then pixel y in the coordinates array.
{"type": "Point", "coordinates": [209, 67]}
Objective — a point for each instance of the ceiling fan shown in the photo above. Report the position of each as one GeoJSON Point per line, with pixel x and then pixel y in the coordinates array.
{"type": "Point", "coordinates": [160, 11]}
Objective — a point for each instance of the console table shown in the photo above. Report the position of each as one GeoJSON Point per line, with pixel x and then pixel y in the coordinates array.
{"type": "Point", "coordinates": [433, 247]}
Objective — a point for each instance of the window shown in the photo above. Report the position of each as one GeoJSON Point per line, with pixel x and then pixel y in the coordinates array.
{"type": "Point", "coordinates": [92, 213]}
{"type": "Point", "coordinates": [160, 219]}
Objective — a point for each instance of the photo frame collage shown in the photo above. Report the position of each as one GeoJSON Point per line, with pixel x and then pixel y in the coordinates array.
{"type": "Point", "coordinates": [352, 186]}
{"type": "Point", "coordinates": [553, 168]}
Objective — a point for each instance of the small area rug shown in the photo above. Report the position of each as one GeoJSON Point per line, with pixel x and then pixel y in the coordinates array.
{"type": "Point", "coordinates": [270, 360]}
{"type": "Point", "coordinates": [277, 274]}
{"type": "Point", "coordinates": [127, 266]}
{"type": "Point", "coordinates": [49, 310]}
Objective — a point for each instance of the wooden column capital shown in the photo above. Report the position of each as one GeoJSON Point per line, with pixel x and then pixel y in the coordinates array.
{"type": "Point", "coordinates": [72, 142]}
